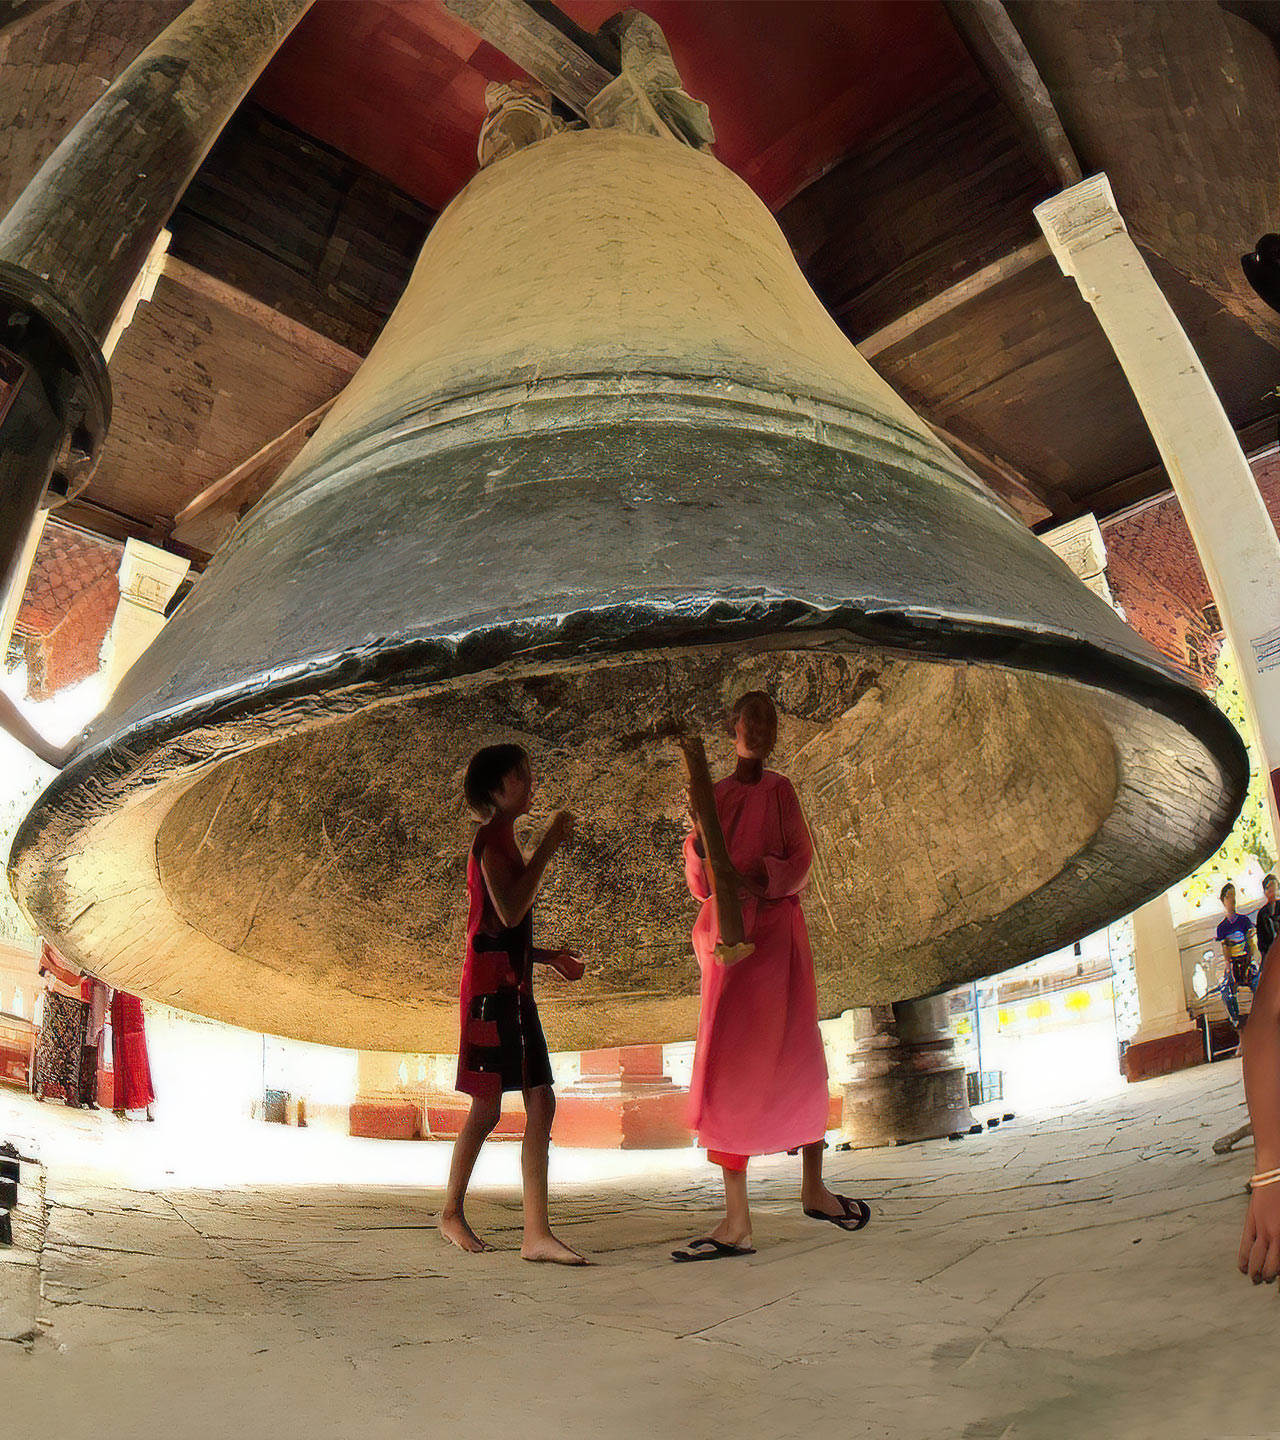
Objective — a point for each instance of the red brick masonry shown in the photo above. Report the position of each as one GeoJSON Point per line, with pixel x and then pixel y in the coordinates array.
{"type": "Point", "coordinates": [1150, 1058]}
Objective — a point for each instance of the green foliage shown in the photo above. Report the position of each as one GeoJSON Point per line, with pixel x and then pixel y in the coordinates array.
{"type": "Point", "coordinates": [1251, 838]}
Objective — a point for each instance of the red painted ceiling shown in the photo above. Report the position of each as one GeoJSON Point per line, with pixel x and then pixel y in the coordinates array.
{"type": "Point", "coordinates": [793, 85]}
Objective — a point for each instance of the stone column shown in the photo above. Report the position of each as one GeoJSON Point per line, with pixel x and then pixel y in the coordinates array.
{"type": "Point", "coordinates": [1216, 489]}
{"type": "Point", "coordinates": [149, 578]}
{"type": "Point", "coordinates": [1166, 1038]}
{"type": "Point", "coordinates": [73, 243]}
{"type": "Point", "coordinates": [623, 1101]}
{"type": "Point", "coordinates": [906, 1082]}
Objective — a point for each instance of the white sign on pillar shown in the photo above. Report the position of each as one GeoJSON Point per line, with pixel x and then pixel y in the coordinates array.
{"type": "Point", "coordinates": [1216, 489]}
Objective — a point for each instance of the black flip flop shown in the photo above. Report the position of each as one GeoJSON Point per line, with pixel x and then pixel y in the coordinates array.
{"type": "Point", "coordinates": [852, 1219]}
{"type": "Point", "coordinates": [709, 1249]}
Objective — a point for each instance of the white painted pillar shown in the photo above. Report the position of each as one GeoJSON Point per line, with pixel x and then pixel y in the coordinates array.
{"type": "Point", "coordinates": [141, 291]}
{"type": "Point", "coordinates": [149, 578]}
{"type": "Point", "coordinates": [1157, 965]}
{"type": "Point", "coordinates": [1079, 542]}
{"type": "Point", "coordinates": [1229, 523]}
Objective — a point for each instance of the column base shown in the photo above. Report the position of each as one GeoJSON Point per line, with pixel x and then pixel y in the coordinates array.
{"type": "Point", "coordinates": [623, 1101]}
{"type": "Point", "coordinates": [1145, 1059]}
{"type": "Point", "coordinates": [907, 1083]}
{"type": "Point", "coordinates": [446, 1114]}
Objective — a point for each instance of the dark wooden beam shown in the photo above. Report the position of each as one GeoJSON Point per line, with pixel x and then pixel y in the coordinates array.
{"type": "Point", "coordinates": [305, 340]}
{"type": "Point", "coordinates": [96, 519]}
{"type": "Point", "coordinates": [543, 50]}
{"type": "Point", "coordinates": [1153, 482]}
{"type": "Point", "coordinates": [1023, 497]}
{"type": "Point", "coordinates": [88, 219]}
{"type": "Point", "coordinates": [952, 298]}
{"type": "Point", "coordinates": [994, 42]}
{"type": "Point", "coordinates": [15, 14]}
{"type": "Point", "coordinates": [204, 522]}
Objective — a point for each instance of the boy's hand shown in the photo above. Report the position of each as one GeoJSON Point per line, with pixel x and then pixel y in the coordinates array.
{"type": "Point", "coordinates": [564, 962]}
{"type": "Point", "coordinates": [561, 828]}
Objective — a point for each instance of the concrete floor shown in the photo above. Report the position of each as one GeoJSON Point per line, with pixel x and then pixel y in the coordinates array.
{"type": "Point", "coordinates": [1068, 1275]}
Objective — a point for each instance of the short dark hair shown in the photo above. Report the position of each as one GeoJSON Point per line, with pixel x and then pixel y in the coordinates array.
{"type": "Point", "coordinates": [741, 703]}
{"type": "Point", "coordinates": [1222, 894]}
{"type": "Point", "coordinates": [486, 770]}
{"type": "Point", "coordinates": [1268, 880]}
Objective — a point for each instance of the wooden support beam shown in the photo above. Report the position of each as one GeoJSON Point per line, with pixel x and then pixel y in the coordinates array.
{"type": "Point", "coordinates": [1121, 496]}
{"type": "Point", "coordinates": [16, 14]}
{"type": "Point", "coordinates": [204, 522]}
{"type": "Point", "coordinates": [95, 519]}
{"type": "Point", "coordinates": [970, 288]}
{"type": "Point", "coordinates": [88, 219]}
{"type": "Point", "coordinates": [994, 42]}
{"type": "Point", "coordinates": [298, 335]}
{"type": "Point", "coordinates": [1017, 492]}
{"type": "Point", "coordinates": [541, 49]}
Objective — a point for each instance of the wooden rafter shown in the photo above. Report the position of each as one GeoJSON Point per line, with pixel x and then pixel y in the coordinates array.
{"type": "Point", "coordinates": [994, 42]}
{"type": "Point", "coordinates": [987, 278]}
{"type": "Point", "coordinates": [541, 49]}
{"type": "Point", "coordinates": [1018, 493]}
{"type": "Point", "coordinates": [301, 337]}
{"type": "Point", "coordinates": [204, 522]}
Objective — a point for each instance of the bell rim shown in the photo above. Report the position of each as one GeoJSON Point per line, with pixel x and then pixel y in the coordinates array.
{"type": "Point", "coordinates": [106, 778]}
{"type": "Point", "coordinates": [402, 668]}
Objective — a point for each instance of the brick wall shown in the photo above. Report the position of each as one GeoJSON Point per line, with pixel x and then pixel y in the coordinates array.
{"type": "Point", "coordinates": [1156, 576]}
{"type": "Point", "coordinates": [67, 608]}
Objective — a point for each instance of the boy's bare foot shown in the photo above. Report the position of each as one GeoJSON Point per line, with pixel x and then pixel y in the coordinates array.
{"type": "Point", "coordinates": [547, 1250]}
{"type": "Point", "coordinates": [732, 1234]}
{"type": "Point", "coordinates": [457, 1232]}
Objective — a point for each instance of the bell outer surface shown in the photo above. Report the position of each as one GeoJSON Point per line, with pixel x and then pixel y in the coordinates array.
{"type": "Point", "coordinates": [609, 464]}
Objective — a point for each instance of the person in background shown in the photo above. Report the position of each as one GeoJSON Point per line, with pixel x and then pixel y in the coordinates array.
{"type": "Point", "coordinates": [129, 1060]}
{"type": "Point", "coordinates": [60, 1047]}
{"type": "Point", "coordinates": [1235, 932]}
{"type": "Point", "coordinates": [94, 995]}
{"type": "Point", "coordinates": [1268, 920]}
{"type": "Point", "coordinates": [1259, 1253]}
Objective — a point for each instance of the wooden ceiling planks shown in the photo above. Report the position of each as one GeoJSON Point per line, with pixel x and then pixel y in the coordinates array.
{"type": "Point", "coordinates": [200, 386]}
{"type": "Point", "coordinates": [1024, 370]}
{"type": "Point", "coordinates": [943, 194]}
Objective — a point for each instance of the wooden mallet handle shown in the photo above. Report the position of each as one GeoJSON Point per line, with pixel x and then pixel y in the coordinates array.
{"type": "Point", "coordinates": [733, 944]}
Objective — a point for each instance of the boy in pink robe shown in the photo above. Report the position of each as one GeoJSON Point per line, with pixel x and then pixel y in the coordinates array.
{"type": "Point", "coordinates": [759, 1081]}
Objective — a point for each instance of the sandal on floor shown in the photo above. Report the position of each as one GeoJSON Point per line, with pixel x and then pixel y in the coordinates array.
{"type": "Point", "coordinates": [856, 1214]}
{"type": "Point", "coordinates": [709, 1249]}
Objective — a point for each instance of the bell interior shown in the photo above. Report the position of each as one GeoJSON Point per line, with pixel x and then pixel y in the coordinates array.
{"type": "Point", "coordinates": [940, 796]}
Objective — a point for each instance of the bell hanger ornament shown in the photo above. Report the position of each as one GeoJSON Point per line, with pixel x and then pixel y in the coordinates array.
{"type": "Point", "coordinates": [610, 464]}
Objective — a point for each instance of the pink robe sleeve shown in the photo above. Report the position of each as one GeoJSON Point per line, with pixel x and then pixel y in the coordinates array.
{"type": "Point", "coordinates": [695, 870]}
{"type": "Point", "coordinates": [788, 873]}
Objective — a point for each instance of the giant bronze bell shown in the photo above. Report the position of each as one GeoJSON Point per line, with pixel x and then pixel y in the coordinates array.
{"type": "Point", "coordinates": [609, 464]}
